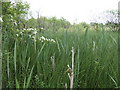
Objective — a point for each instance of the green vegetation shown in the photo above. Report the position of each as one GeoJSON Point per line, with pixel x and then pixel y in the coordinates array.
{"type": "Point", "coordinates": [38, 57]}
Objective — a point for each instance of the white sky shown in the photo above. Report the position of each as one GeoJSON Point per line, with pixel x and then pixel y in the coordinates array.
{"type": "Point", "coordinates": [72, 10]}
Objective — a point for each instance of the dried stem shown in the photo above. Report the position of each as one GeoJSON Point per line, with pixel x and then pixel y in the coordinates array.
{"type": "Point", "coordinates": [71, 70]}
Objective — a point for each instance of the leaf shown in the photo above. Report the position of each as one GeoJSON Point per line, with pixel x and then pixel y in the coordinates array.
{"type": "Point", "coordinates": [29, 78]}
{"type": "Point", "coordinates": [17, 83]}
{"type": "Point", "coordinates": [15, 57]}
{"type": "Point", "coordinates": [113, 80]}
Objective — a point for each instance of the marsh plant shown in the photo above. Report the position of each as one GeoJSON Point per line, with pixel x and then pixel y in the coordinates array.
{"type": "Point", "coordinates": [29, 64]}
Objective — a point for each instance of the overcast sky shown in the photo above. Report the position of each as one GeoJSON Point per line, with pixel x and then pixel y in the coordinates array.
{"type": "Point", "coordinates": [72, 10]}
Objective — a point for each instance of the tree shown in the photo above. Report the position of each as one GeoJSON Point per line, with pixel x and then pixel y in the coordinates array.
{"type": "Point", "coordinates": [95, 26]}
{"type": "Point", "coordinates": [111, 19]}
{"type": "Point", "coordinates": [13, 18]}
{"type": "Point", "coordinates": [32, 23]}
{"type": "Point", "coordinates": [13, 15]}
{"type": "Point", "coordinates": [81, 26]}
{"type": "Point", "coordinates": [85, 25]}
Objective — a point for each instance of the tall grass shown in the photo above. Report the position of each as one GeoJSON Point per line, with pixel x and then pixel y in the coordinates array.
{"type": "Point", "coordinates": [29, 66]}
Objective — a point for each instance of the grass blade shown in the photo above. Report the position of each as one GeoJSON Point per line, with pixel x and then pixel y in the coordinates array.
{"type": "Point", "coordinates": [17, 83]}
{"type": "Point", "coordinates": [15, 57]}
{"type": "Point", "coordinates": [8, 70]}
{"type": "Point", "coordinates": [29, 78]}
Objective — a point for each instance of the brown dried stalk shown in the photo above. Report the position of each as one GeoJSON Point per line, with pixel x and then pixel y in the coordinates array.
{"type": "Point", "coordinates": [71, 70]}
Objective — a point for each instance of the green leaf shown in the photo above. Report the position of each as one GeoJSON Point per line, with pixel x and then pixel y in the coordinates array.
{"type": "Point", "coordinates": [17, 83]}
{"type": "Point", "coordinates": [29, 78]}
{"type": "Point", "coordinates": [15, 57]}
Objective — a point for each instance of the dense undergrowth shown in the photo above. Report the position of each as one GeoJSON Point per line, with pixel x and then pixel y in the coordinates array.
{"type": "Point", "coordinates": [40, 63]}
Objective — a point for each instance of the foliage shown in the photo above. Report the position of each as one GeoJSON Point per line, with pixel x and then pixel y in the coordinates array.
{"type": "Point", "coordinates": [13, 14]}
{"type": "Point", "coordinates": [39, 59]}
{"type": "Point", "coordinates": [111, 18]}
{"type": "Point", "coordinates": [95, 60]}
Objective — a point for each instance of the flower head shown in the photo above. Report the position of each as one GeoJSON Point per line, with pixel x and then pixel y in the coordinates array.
{"type": "Point", "coordinates": [41, 28]}
{"type": "Point", "coordinates": [42, 38]}
{"type": "Point", "coordinates": [35, 32]}
{"type": "Point", "coordinates": [52, 40]}
{"type": "Point", "coordinates": [1, 19]}
{"type": "Point", "coordinates": [17, 35]}
{"type": "Point", "coordinates": [46, 39]}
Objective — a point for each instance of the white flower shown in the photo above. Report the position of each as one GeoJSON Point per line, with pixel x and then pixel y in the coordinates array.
{"type": "Point", "coordinates": [43, 38]}
{"type": "Point", "coordinates": [17, 35]}
{"type": "Point", "coordinates": [30, 36]}
{"type": "Point", "coordinates": [1, 19]}
{"type": "Point", "coordinates": [21, 32]}
{"type": "Point", "coordinates": [46, 39]}
{"type": "Point", "coordinates": [34, 38]}
{"type": "Point", "coordinates": [52, 40]}
{"type": "Point", "coordinates": [35, 32]}
{"type": "Point", "coordinates": [41, 28]}
{"type": "Point", "coordinates": [29, 29]}
{"type": "Point", "coordinates": [24, 29]}
{"type": "Point", "coordinates": [49, 40]}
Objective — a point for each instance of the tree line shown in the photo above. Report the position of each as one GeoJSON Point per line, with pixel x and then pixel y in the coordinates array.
{"type": "Point", "coordinates": [14, 17]}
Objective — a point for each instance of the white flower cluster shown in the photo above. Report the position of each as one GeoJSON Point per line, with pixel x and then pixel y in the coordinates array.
{"type": "Point", "coordinates": [30, 29]}
{"type": "Point", "coordinates": [42, 39]}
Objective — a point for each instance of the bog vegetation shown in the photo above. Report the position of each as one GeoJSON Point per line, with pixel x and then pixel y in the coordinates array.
{"type": "Point", "coordinates": [36, 52]}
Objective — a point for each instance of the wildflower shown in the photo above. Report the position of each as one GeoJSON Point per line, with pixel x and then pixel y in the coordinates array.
{"type": "Point", "coordinates": [17, 35]}
{"type": "Point", "coordinates": [35, 32]}
{"type": "Point", "coordinates": [49, 40]}
{"type": "Point", "coordinates": [41, 28]}
{"type": "Point", "coordinates": [29, 29]}
{"type": "Point", "coordinates": [1, 19]}
{"type": "Point", "coordinates": [52, 40]}
{"type": "Point", "coordinates": [46, 39]}
{"type": "Point", "coordinates": [21, 33]}
{"type": "Point", "coordinates": [30, 36]}
{"type": "Point", "coordinates": [43, 38]}
{"type": "Point", "coordinates": [34, 38]}
{"type": "Point", "coordinates": [24, 29]}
